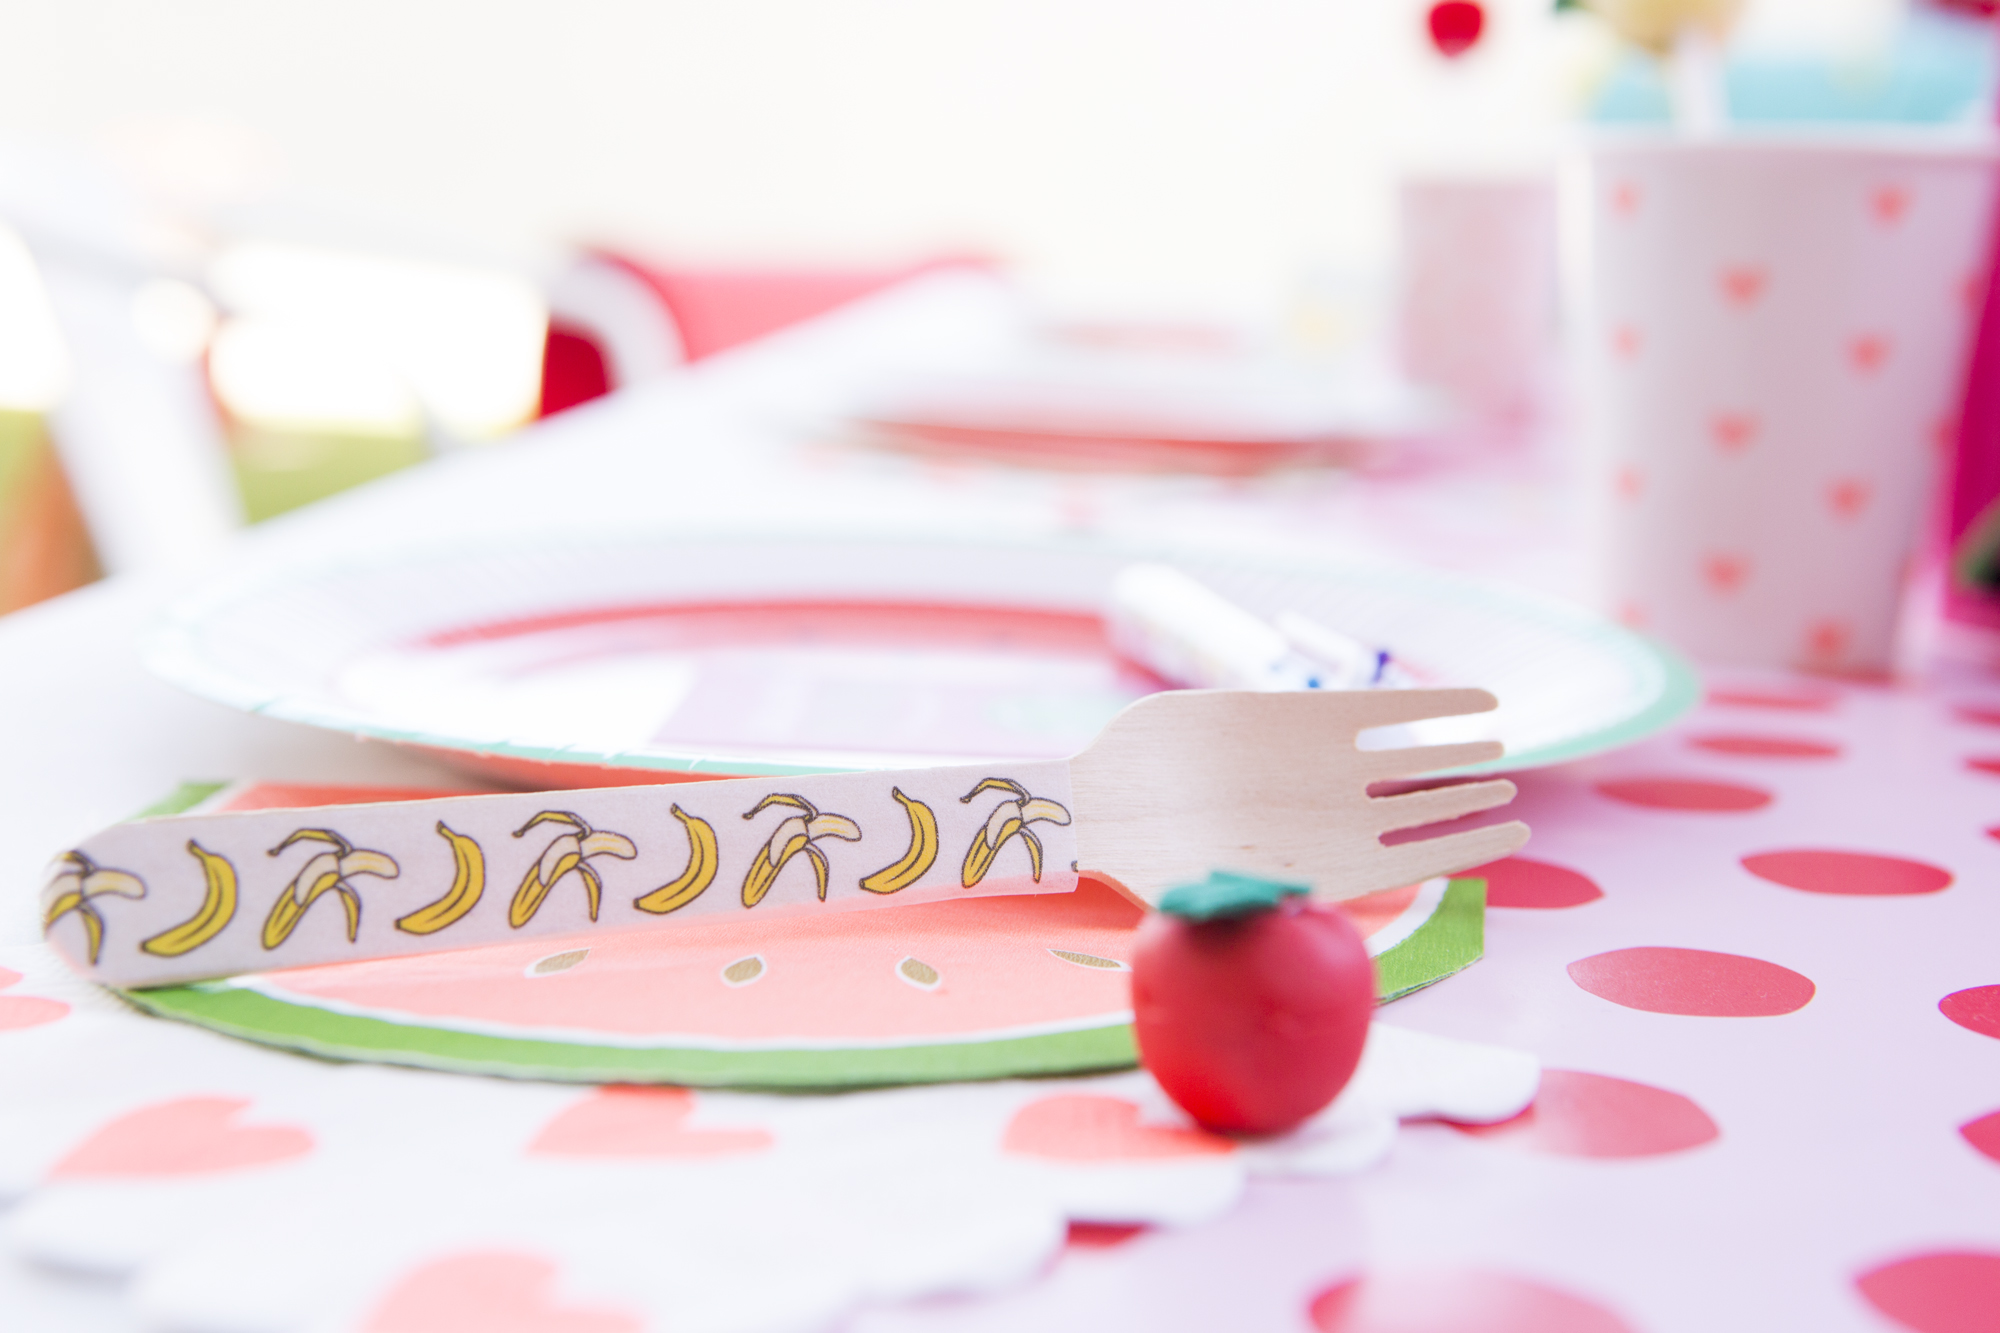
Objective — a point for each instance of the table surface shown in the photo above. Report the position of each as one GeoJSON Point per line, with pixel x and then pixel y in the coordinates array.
{"type": "Point", "coordinates": [1731, 946]}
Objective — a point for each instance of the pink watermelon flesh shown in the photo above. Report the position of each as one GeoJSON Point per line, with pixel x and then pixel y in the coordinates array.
{"type": "Point", "coordinates": [988, 965]}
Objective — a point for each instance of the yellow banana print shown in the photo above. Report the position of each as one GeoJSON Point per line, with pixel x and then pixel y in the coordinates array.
{"type": "Point", "coordinates": [923, 849]}
{"type": "Point", "coordinates": [326, 872]}
{"type": "Point", "coordinates": [792, 836]}
{"type": "Point", "coordinates": [567, 852]}
{"type": "Point", "coordinates": [218, 906]}
{"type": "Point", "coordinates": [75, 882]}
{"type": "Point", "coordinates": [468, 881]}
{"type": "Point", "coordinates": [700, 872]}
{"type": "Point", "coordinates": [1010, 819]}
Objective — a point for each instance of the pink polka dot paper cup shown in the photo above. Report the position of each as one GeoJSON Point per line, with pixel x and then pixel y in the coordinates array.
{"type": "Point", "coordinates": [1774, 337]}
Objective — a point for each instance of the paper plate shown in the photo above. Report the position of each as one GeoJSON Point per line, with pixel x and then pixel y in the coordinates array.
{"type": "Point", "coordinates": [668, 659]}
{"type": "Point", "coordinates": [977, 988]}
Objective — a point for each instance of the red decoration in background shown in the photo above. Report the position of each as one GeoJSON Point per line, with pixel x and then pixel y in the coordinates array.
{"type": "Point", "coordinates": [1793, 699]}
{"type": "Point", "coordinates": [186, 1136]}
{"type": "Point", "coordinates": [1456, 1302]}
{"type": "Point", "coordinates": [1103, 1235]}
{"type": "Point", "coordinates": [623, 1121]}
{"type": "Point", "coordinates": [1766, 747]}
{"type": "Point", "coordinates": [717, 309]}
{"type": "Point", "coordinates": [495, 1291]}
{"type": "Point", "coordinates": [1684, 794]}
{"type": "Point", "coordinates": [1521, 882]}
{"type": "Point", "coordinates": [1455, 27]}
{"type": "Point", "coordinates": [1984, 1134]}
{"type": "Point", "coordinates": [25, 1011]}
{"type": "Point", "coordinates": [1976, 1009]}
{"type": "Point", "coordinates": [1576, 1114]}
{"type": "Point", "coordinates": [1943, 1292]}
{"type": "Point", "coordinates": [1693, 982]}
{"type": "Point", "coordinates": [573, 370]}
{"type": "Point", "coordinates": [1861, 874]}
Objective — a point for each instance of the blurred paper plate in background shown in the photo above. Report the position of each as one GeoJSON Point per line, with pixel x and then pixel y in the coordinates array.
{"type": "Point", "coordinates": [679, 658]}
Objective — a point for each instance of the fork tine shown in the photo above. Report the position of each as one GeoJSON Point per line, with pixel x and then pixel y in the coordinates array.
{"type": "Point", "coordinates": [1412, 862]}
{"type": "Point", "coordinates": [1437, 804]}
{"type": "Point", "coordinates": [1411, 760]}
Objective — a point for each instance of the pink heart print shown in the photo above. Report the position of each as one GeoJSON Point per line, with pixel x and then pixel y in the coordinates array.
{"type": "Point", "coordinates": [1944, 434]}
{"type": "Point", "coordinates": [1743, 283]}
{"type": "Point", "coordinates": [1101, 1129]}
{"type": "Point", "coordinates": [1868, 352]}
{"type": "Point", "coordinates": [1733, 431]}
{"type": "Point", "coordinates": [1629, 482]}
{"type": "Point", "coordinates": [25, 1011]}
{"type": "Point", "coordinates": [1890, 202]}
{"type": "Point", "coordinates": [1724, 572]}
{"type": "Point", "coordinates": [1625, 198]}
{"type": "Point", "coordinates": [488, 1291]}
{"type": "Point", "coordinates": [1626, 340]}
{"type": "Point", "coordinates": [1827, 639]}
{"type": "Point", "coordinates": [186, 1136]}
{"type": "Point", "coordinates": [1848, 496]}
{"type": "Point", "coordinates": [639, 1122]}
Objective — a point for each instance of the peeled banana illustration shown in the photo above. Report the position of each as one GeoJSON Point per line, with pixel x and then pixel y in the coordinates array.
{"type": "Point", "coordinates": [796, 834]}
{"type": "Point", "coordinates": [76, 880]}
{"type": "Point", "coordinates": [218, 907]}
{"type": "Point", "coordinates": [700, 872]}
{"type": "Point", "coordinates": [1010, 819]}
{"type": "Point", "coordinates": [468, 881]}
{"type": "Point", "coordinates": [568, 852]}
{"type": "Point", "coordinates": [923, 849]}
{"type": "Point", "coordinates": [327, 872]}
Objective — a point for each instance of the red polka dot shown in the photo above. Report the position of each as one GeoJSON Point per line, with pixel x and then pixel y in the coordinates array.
{"type": "Point", "coordinates": [1985, 764]}
{"type": "Point", "coordinates": [1685, 794]}
{"type": "Point", "coordinates": [1766, 747]}
{"type": "Point", "coordinates": [1456, 1302]}
{"type": "Point", "coordinates": [1949, 1291]}
{"type": "Point", "coordinates": [1520, 882]}
{"type": "Point", "coordinates": [1861, 874]}
{"type": "Point", "coordinates": [1694, 982]}
{"type": "Point", "coordinates": [1102, 1235]}
{"type": "Point", "coordinates": [8, 976]}
{"type": "Point", "coordinates": [1803, 700]}
{"type": "Point", "coordinates": [1980, 715]}
{"type": "Point", "coordinates": [1593, 1115]}
{"type": "Point", "coordinates": [1984, 1134]}
{"type": "Point", "coordinates": [28, 1011]}
{"type": "Point", "coordinates": [1975, 1010]}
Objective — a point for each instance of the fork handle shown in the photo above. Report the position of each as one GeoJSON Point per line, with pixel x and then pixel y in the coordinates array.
{"type": "Point", "coordinates": [194, 897]}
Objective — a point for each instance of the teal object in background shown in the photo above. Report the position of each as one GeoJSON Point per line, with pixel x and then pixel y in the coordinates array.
{"type": "Point", "coordinates": [1939, 69]}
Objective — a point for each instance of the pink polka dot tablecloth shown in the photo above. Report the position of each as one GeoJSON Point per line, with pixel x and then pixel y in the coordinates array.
{"type": "Point", "coordinates": [1759, 958]}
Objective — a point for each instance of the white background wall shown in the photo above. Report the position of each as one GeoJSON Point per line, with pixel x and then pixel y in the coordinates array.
{"type": "Point", "coordinates": [1195, 153]}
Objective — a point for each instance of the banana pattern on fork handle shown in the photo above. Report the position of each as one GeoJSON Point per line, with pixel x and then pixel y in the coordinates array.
{"type": "Point", "coordinates": [1171, 784]}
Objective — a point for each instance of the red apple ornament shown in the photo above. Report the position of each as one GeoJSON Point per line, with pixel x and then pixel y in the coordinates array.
{"type": "Point", "coordinates": [1455, 26]}
{"type": "Point", "coordinates": [1250, 1001]}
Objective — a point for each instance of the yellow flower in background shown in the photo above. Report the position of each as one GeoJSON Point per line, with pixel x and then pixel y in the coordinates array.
{"type": "Point", "coordinates": [76, 880]}
{"type": "Point", "coordinates": [1657, 24]}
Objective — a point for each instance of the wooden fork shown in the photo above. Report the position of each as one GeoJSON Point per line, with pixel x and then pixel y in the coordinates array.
{"type": "Point", "coordinates": [1176, 785]}
{"type": "Point", "coordinates": [1274, 784]}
